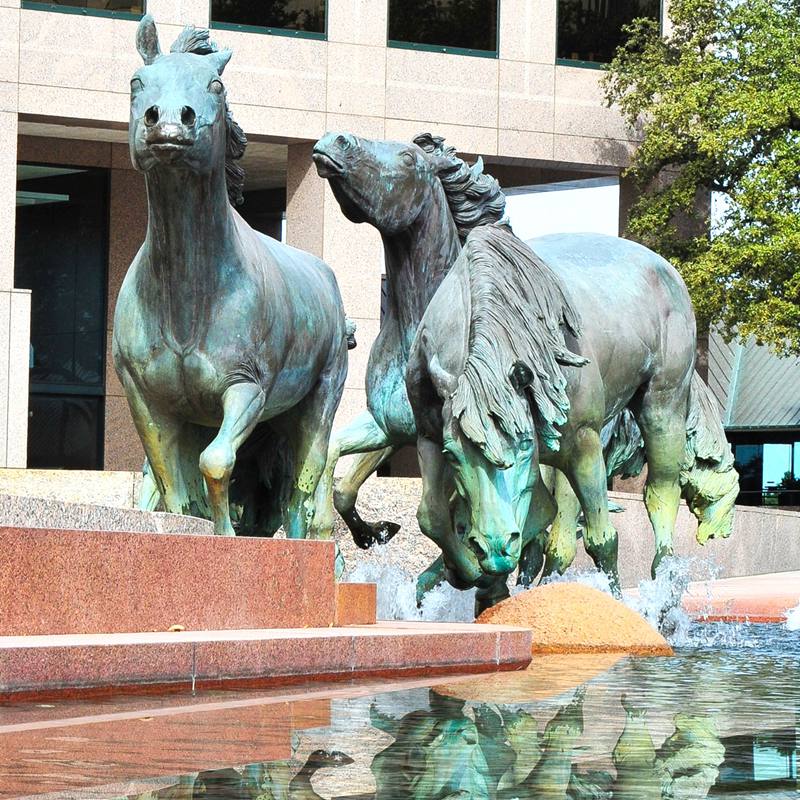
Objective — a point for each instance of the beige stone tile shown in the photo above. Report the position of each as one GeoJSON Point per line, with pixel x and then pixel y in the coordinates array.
{"type": "Point", "coordinates": [9, 96]}
{"type": "Point", "coordinates": [305, 201]}
{"type": "Point", "coordinates": [528, 30]}
{"type": "Point", "coordinates": [358, 21]}
{"type": "Point", "coordinates": [441, 87]}
{"type": "Point", "coordinates": [9, 3]}
{"type": "Point", "coordinates": [9, 44]}
{"type": "Point", "coordinates": [8, 189]}
{"type": "Point", "coordinates": [526, 96]}
{"type": "Point", "coordinates": [365, 127]}
{"type": "Point", "coordinates": [180, 12]}
{"type": "Point", "coordinates": [466, 139]}
{"type": "Point", "coordinates": [353, 403]}
{"type": "Point", "coordinates": [70, 103]}
{"type": "Point", "coordinates": [278, 122]}
{"type": "Point", "coordinates": [18, 371]}
{"type": "Point", "coordinates": [580, 106]}
{"type": "Point", "coordinates": [72, 50]}
{"type": "Point", "coordinates": [6, 389]}
{"type": "Point", "coordinates": [358, 358]}
{"type": "Point", "coordinates": [356, 79]}
{"type": "Point", "coordinates": [275, 70]}
{"type": "Point", "coordinates": [591, 151]}
{"type": "Point", "coordinates": [532, 145]}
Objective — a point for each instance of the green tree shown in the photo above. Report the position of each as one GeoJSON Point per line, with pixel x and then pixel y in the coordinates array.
{"type": "Point", "coordinates": [717, 103]}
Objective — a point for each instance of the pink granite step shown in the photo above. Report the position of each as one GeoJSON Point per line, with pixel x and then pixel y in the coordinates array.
{"type": "Point", "coordinates": [51, 664]}
{"type": "Point", "coordinates": [72, 582]}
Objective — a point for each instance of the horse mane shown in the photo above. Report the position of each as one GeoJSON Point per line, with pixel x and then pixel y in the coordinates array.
{"type": "Point", "coordinates": [474, 197]}
{"type": "Point", "coordinates": [198, 42]}
{"type": "Point", "coordinates": [520, 311]}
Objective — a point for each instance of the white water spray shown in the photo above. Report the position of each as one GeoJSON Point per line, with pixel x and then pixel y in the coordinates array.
{"type": "Point", "coordinates": [793, 619]}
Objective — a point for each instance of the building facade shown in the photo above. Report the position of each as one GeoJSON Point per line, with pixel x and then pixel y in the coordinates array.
{"type": "Point", "coordinates": [514, 81]}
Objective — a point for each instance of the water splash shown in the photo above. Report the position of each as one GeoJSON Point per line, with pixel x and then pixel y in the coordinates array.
{"type": "Point", "coordinates": [793, 619]}
{"type": "Point", "coordinates": [397, 595]}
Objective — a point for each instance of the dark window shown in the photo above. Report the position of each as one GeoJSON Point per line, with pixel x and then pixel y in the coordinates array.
{"type": "Point", "coordinates": [89, 6]}
{"type": "Point", "coordinates": [456, 24]}
{"type": "Point", "coordinates": [591, 30]}
{"type": "Point", "coordinates": [768, 464]}
{"type": "Point", "coordinates": [306, 16]}
{"type": "Point", "coordinates": [61, 256]}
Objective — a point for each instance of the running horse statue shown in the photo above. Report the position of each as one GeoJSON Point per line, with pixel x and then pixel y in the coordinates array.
{"type": "Point", "coordinates": [231, 347]}
{"type": "Point", "coordinates": [523, 355]}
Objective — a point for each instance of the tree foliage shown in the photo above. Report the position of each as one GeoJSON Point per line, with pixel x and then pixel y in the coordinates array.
{"type": "Point", "coordinates": [717, 101]}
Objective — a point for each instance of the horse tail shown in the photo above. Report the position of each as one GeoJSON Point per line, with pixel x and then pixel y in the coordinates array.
{"type": "Point", "coordinates": [709, 482]}
{"type": "Point", "coordinates": [623, 446]}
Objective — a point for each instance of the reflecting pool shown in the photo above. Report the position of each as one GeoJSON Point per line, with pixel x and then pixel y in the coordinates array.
{"type": "Point", "coordinates": [714, 721]}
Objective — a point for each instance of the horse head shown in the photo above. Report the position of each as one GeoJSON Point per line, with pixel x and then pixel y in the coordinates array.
{"type": "Point", "coordinates": [387, 184]}
{"type": "Point", "coordinates": [179, 114]}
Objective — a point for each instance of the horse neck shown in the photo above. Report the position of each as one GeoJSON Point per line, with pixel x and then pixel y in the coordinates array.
{"type": "Point", "coordinates": [416, 261]}
{"type": "Point", "coordinates": [189, 241]}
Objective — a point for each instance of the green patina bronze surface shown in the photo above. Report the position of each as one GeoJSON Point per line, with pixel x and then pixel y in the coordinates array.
{"type": "Point", "coordinates": [523, 355]}
{"type": "Point", "coordinates": [231, 347]}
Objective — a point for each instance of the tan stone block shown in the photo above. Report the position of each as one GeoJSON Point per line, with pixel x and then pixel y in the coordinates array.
{"type": "Point", "coordinates": [6, 396]}
{"type": "Point", "coordinates": [9, 96]}
{"type": "Point", "coordinates": [527, 30]}
{"type": "Point", "coordinates": [353, 403]}
{"type": "Point", "coordinates": [466, 139]}
{"type": "Point", "coordinates": [275, 71]}
{"type": "Point", "coordinates": [305, 201]}
{"type": "Point", "coordinates": [580, 105]}
{"type": "Point", "coordinates": [356, 79]}
{"type": "Point", "coordinates": [366, 127]}
{"type": "Point", "coordinates": [77, 51]}
{"type": "Point", "coordinates": [358, 21]}
{"type": "Point", "coordinates": [441, 87]}
{"type": "Point", "coordinates": [19, 337]}
{"type": "Point", "coordinates": [70, 103]}
{"type": "Point", "coordinates": [532, 145]}
{"type": "Point", "coordinates": [526, 96]}
{"type": "Point", "coordinates": [356, 604]}
{"type": "Point", "coordinates": [358, 358]}
{"type": "Point", "coordinates": [9, 44]}
{"type": "Point", "coordinates": [591, 151]}
{"type": "Point", "coordinates": [9, 3]}
{"type": "Point", "coordinates": [180, 12]}
{"type": "Point", "coordinates": [281, 123]}
{"type": "Point", "coordinates": [123, 449]}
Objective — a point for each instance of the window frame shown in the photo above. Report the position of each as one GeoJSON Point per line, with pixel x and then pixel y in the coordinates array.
{"type": "Point", "coordinates": [396, 44]}
{"type": "Point", "coordinates": [597, 65]}
{"type": "Point", "coordinates": [266, 31]}
{"type": "Point", "coordinates": [43, 5]}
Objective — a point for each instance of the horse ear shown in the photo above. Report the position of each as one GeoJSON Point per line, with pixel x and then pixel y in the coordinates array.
{"type": "Point", "coordinates": [147, 40]}
{"type": "Point", "coordinates": [221, 59]}
{"type": "Point", "coordinates": [444, 383]}
{"type": "Point", "coordinates": [520, 375]}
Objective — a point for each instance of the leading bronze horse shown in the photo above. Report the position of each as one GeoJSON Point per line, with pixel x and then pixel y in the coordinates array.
{"type": "Point", "coordinates": [223, 338]}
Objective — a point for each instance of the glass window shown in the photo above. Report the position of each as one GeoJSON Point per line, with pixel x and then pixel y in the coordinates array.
{"type": "Point", "coordinates": [61, 256]}
{"type": "Point", "coordinates": [445, 24]}
{"type": "Point", "coordinates": [89, 6]}
{"type": "Point", "coordinates": [591, 30]}
{"type": "Point", "coordinates": [306, 16]}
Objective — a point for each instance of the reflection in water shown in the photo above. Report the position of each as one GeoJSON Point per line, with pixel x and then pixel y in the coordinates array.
{"type": "Point", "coordinates": [706, 723]}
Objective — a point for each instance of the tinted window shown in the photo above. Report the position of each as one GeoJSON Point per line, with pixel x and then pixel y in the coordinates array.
{"type": "Point", "coordinates": [463, 24]}
{"type": "Point", "coordinates": [591, 30]}
{"type": "Point", "coordinates": [296, 15]}
{"type": "Point", "coordinates": [128, 6]}
{"type": "Point", "coordinates": [61, 256]}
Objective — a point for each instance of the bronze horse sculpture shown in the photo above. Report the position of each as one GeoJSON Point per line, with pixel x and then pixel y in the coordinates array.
{"type": "Point", "coordinates": [522, 356]}
{"type": "Point", "coordinates": [231, 346]}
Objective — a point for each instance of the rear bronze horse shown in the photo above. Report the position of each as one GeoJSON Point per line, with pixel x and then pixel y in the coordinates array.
{"type": "Point", "coordinates": [231, 346]}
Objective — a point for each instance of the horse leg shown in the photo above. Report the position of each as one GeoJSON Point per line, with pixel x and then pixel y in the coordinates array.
{"type": "Point", "coordinates": [534, 534]}
{"type": "Point", "coordinates": [161, 437]}
{"type": "Point", "coordinates": [663, 425]}
{"type": "Point", "coordinates": [586, 472]}
{"type": "Point", "coordinates": [362, 436]}
{"type": "Point", "coordinates": [310, 433]}
{"type": "Point", "coordinates": [562, 541]}
{"type": "Point", "coordinates": [242, 406]}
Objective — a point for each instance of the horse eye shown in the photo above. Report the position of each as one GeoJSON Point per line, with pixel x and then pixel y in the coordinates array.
{"type": "Point", "coordinates": [216, 87]}
{"type": "Point", "coordinates": [525, 445]}
{"type": "Point", "coordinates": [408, 160]}
{"type": "Point", "coordinates": [136, 85]}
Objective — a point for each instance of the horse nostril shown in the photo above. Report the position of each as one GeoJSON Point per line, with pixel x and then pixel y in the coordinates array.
{"type": "Point", "coordinates": [477, 547]}
{"type": "Point", "coordinates": [152, 115]}
{"type": "Point", "coordinates": [512, 548]}
{"type": "Point", "coordinates": [188, 116]}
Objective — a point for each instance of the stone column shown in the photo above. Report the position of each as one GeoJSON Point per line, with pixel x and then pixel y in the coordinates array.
{"type": "Point", "coordinates": [15, 304]}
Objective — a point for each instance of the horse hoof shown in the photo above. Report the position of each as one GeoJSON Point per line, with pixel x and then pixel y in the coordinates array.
{"type": "Point", "coordinates": [378, 533]}
{"type": "Point", "coordinates": [386, 531]}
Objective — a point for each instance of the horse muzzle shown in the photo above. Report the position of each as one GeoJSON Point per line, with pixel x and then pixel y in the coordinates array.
{"type": "Point", "coordinates": [169, 142]}
{"type": "Point", "coordinates": [327, 166]}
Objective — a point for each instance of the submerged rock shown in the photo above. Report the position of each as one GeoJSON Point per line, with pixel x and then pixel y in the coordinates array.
{"type": "Point", "coordinates": [572, 618]}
